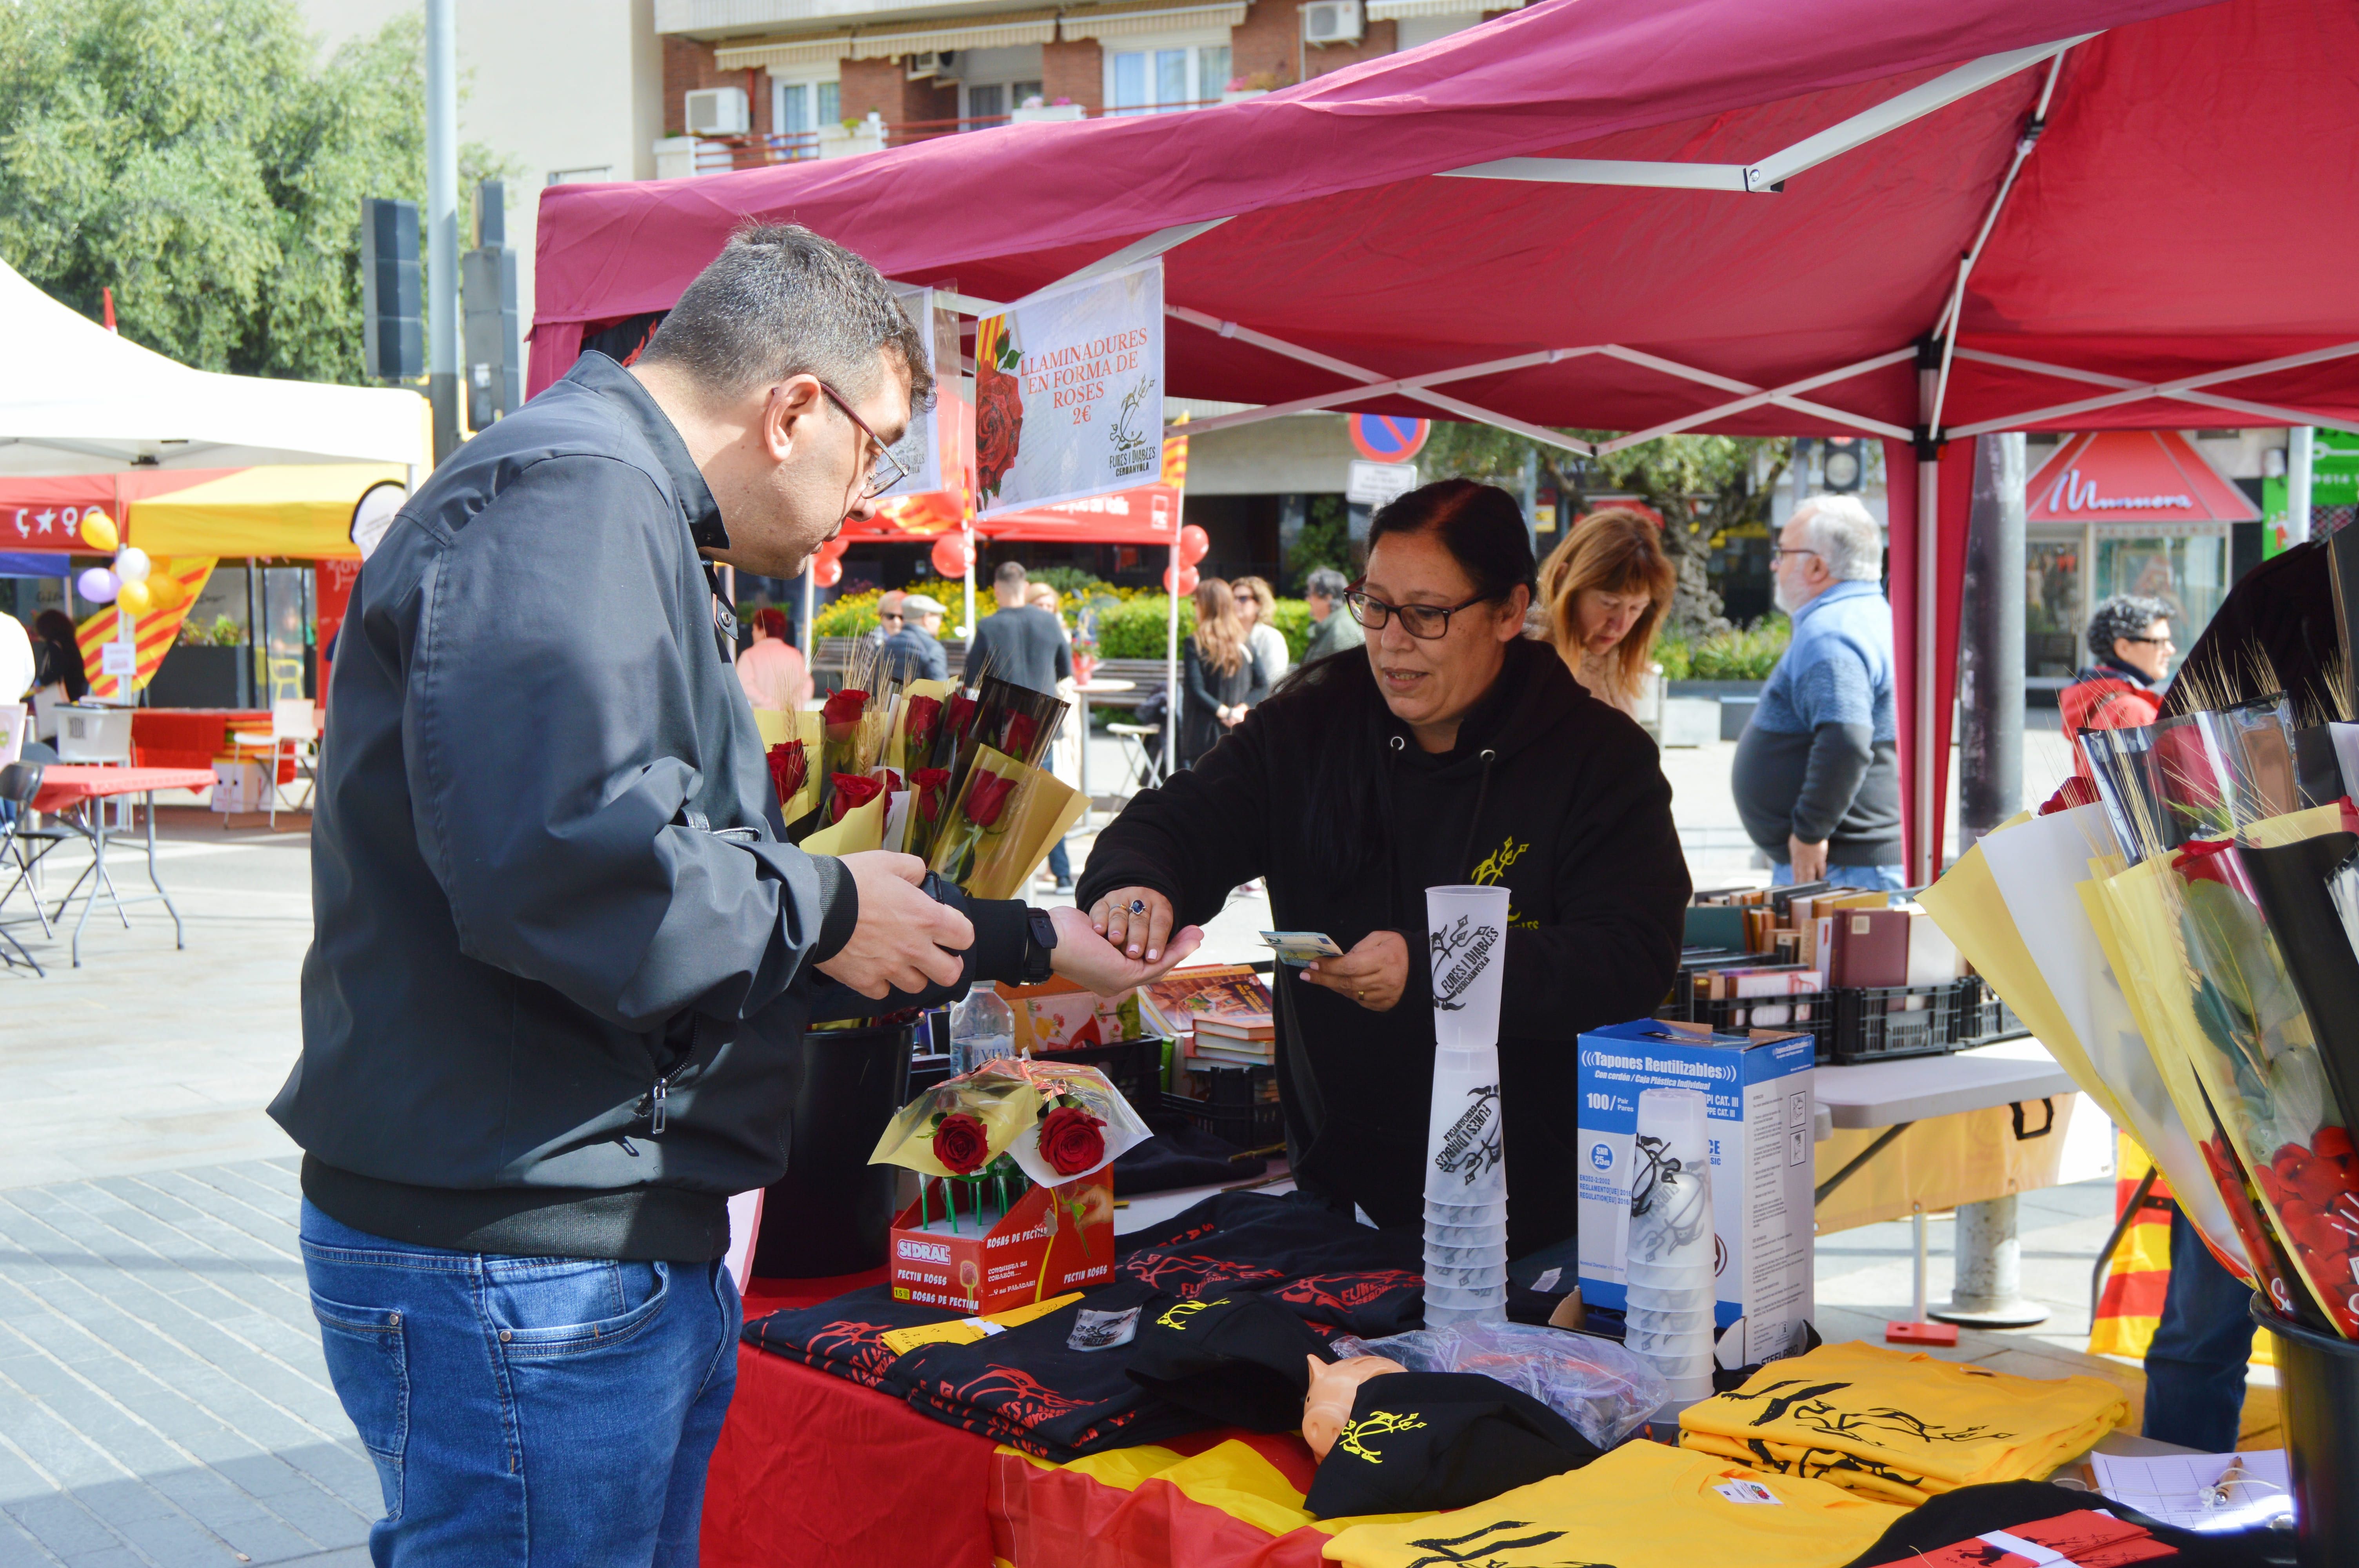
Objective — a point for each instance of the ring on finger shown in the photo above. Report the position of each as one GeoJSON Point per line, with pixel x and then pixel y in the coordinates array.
{"type": "Point", "coordinates": [1139, 906]}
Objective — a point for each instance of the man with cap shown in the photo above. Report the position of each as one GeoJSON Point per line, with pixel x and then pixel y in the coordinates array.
{"type": "Point", "coordinates": [915, 652]}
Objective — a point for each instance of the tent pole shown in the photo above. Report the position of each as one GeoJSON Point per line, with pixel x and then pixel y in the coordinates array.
{"type": "Point", "coordinates": [2301, 448]}
{"type": "Point", "coordinates": [1171, 653]}
{"type": "Point", "coordinates": [1924, 855]}
{"type": "Point", "coordinates": [967, 630]}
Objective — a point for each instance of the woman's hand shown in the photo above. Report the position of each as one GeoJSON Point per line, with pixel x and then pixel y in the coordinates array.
{"type": "Point", "coordinates": [1373, 973]}
{"type": "Point", "coordinates": [1090, 961]}
{"type": "Point", "coordinates": [1136, 920]}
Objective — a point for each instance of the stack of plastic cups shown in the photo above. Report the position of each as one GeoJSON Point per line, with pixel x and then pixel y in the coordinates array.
{"type": "Point", "coordinates": [1669, 1261]}
{"type": "Point", "coordinates": [1465, 1171]}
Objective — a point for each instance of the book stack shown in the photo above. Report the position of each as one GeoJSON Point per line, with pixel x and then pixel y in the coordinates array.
{"type": "Point", "coordinates": [1220, 1014]}
{"type": "Point", "coordinates": [1234, 1040]}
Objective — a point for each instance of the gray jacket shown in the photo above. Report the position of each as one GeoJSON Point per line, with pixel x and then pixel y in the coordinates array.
{"type": "Point", "coordinates": [1335, 634]}
{"type": "Point", "coordinates": [561, 963]}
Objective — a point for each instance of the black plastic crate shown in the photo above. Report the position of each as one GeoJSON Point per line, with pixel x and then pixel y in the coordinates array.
{"type": "Point", "coordinates": [1988, 1019]}
{"type": "Point", "coordinates": [1811, 1013]}
{"type": "Point", "coordinates": [1134, 1066]}
{"type": "Point", "coordinates": [1232, 1109]}
{"type": "Point", "coordinates": [1878, 1023]}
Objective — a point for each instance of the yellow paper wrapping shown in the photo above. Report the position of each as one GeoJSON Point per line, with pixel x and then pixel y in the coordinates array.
{"type": "Point", "coordinates": [863, 827]}
{"type": "Point", "coordinates": [895, 751]}
{"type": "Point", "coordinates": [810, 729]}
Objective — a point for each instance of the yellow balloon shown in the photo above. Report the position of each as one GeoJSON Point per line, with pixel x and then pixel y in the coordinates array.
{"type": "Point", "coordinates": [165, 592]}
{"type": "Point", "coordinates": [98, 532]}
{"type": "Point", "coordinates": [135, 598]}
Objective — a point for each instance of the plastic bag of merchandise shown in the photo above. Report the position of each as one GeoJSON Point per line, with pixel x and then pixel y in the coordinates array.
{"type": "Point", "coordinates": [1606, 1391]}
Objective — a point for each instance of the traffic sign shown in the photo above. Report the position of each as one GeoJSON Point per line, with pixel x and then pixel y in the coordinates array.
{"type": "Point", "coordinates": [1388, 437]}
{"type": "Point", "coordinates": [1374, 484]}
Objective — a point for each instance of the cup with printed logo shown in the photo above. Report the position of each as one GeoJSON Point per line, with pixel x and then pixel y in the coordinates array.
{"type": "Point", "coordinates": [1440, 1257]}
{"type": "Point", "coordinates": [1465, 1214]}
{"type": "Point", "coordinates": [1465, 1145]}
{"type": "Point", "coordinates": [1465, 1234]}
{"type": "Point", "coordinates": [1697, 1298]}
{"type": "Point", "coordinates": [1660, 1339]}
{"type": "Point", "coordinates": [1466, 938]}
{"type": "Point", "coordinates": [1644, 1320]}
{"type": "Point", "coordinates": [1494, 1278]}
{"type": "Point", "coordinates": [1686, 1277]}
{"type": "Point", "coordinates": [1452, 1296]}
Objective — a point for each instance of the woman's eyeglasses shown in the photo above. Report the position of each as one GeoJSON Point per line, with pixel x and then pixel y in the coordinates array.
{"type": "Point", "coordinates": [1423, 621]}
{"type": "Point", "coordinates": [885, 470]}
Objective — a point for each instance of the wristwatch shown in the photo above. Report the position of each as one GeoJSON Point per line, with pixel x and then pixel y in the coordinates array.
{"type": "Point", "coordinates": [1039, 941]}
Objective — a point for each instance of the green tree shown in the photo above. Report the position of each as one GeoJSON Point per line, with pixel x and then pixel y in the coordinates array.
{"type": "Point", "coordinates": [192, 156]}
{"type": "Point", "coordinates": [1325, 541]}
{"type": "Point", "coordinates": [1702, 485]}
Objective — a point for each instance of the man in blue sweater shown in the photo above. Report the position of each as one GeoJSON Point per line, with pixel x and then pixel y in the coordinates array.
{"type": "Point", "coordinates": [1817, 777]}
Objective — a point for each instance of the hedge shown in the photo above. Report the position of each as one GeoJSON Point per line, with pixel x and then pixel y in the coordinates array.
{"type": "Point", "coordinates": [1749, 654]}
{"type": "Point", "coordinates": [1138, 628]}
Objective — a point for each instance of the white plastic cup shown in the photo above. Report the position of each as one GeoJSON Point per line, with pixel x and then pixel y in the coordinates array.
{"type": "Point", "coordinates": [1645, 1319]}
{"type": "Point", "coordinates": [1465, 1142]}
{"type": "Point", "coordinates": [1466, 943]}
{"type": "Point", "coordinates": [1679, 1277]}
{"type": "Point", "coordinates": [1466, 1300]}
{"type": "Point", "coordinates": [1467, 1280]}
{"type": "Point", "coordinates": [1492, 1212]}
{"type": "Point", "coordinates": [1670, 1191]}
{"type": "Point", "coordinates": [1465, 1234]}
{"type": "Point", "coordinates": [1686, 1370]}
{"type": "Point", "coordinates": [1476, 1257]}
{"type": "Point", "coordinates": [1697, 1298]}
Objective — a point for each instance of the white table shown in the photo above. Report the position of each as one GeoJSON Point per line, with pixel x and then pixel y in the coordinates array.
{"type": "Point", "coordinates": [1084, 692]}
{"type": "Point", "coordinates": [1896, 1095]}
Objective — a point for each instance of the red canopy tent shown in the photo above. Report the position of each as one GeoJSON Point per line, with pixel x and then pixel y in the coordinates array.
{"type": "Point", "coordinates": [1840, 216]}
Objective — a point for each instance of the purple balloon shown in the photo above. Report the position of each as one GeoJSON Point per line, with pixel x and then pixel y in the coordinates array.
{"type": "Point", "coordinates": [97, 585]}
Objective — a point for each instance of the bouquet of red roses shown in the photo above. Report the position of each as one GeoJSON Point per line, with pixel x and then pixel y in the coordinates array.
{"type": "Point", "coordinates": [983, 810]}
{"type": "Point", "coordinates": [928, 797]}
{"type": "Point", "coordinates": [840, 745]}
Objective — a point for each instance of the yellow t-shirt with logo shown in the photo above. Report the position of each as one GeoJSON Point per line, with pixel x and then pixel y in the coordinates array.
{"type": "Point", "coordinates": [1902, 1426]}
{"type": "Point", "coordinates": [1644, 1505]}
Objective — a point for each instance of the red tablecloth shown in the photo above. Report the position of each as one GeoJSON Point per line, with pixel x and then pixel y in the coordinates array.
{"type": "Point", "coordinates": [67, 783]}
{"type": "Point", "coordinates": [188, 737]}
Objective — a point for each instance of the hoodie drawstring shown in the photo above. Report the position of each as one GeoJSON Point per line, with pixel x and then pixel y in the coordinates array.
{"type": "Point", "coordinates": [1474, 825]}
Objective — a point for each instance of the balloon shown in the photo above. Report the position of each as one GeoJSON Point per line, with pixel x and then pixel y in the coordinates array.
{"type": "Point", "coordinates": [1194, 545]}
{"type": "Point", "coordinates": [131, 564]}
{"type": "Point", "coordinates": [165, 592]}
{"type": "Point", "coordinates": [1187, 583]}
{"type": "Point", "coordinates": [133, 599]}
{"type": "Point", "coordinates": [950, 555]}
{"type": "Point", "coordinates": [833, 549]}
{"type": "Point", "coordinates": [827, 574]}
{"type": "Point", "coordinates": [96, 584]}
{"type": "Point", "coordinates": [98, 531]}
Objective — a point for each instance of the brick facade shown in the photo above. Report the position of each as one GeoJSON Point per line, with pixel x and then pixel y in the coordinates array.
{"type": "Point", "coordinates": [881, 87]}
{"type": "Point", "coordinates": [1270, 41]}
{"type": "Point", "coordinates": [688, 65]}
{"type": "Point", "coordinates": [1074, 69]}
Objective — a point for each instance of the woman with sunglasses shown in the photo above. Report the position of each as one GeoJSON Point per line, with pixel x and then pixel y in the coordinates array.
{"type": "Point", "coordinates": [1452, 751]}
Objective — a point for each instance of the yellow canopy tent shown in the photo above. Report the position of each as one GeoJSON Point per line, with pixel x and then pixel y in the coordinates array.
{"type": "Point", "coordinates": [299, 510]}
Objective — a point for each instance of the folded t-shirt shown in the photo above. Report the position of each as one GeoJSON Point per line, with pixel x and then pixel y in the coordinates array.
{"type": "Point", "coordinates": [1421, 1440]}
{"type": "Point", "coordinates": [1970, 1514]}
{"type": "Point", "coordinates": [1237, 1359]}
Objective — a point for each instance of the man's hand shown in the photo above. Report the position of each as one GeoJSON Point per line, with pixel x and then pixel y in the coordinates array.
{"type": "Point", "coordinates": [899, 941]}
{"type": "Point", "coordinates": [1139, 932]}
{"type": "Point", "coordinates": [1090, 960]}
{"type": "Point", "coordinates": [1810, 860]}
{"type": "Point", "coordinates": [1373, 973]}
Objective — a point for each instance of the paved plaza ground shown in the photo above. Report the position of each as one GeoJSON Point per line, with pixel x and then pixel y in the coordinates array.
{"type": "Point", "coordinates": [162, 1398]}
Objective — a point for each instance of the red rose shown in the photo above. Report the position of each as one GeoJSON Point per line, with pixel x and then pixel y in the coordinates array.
{"type": "Point", "coordinates": [843, 709]}
{"type": "Point", "coordinates": [892, 781]}
{"type": "Point", "coordinates": [998, 426]}
{"type": "Point", "coordinates": [1021, 729]}
{"type": "Point", "coordinates": [927, 783]}
{"type": "Point", "coordinates": [962, 715]}
{"type": "Point", "coordinates": [917, 729]}
{"type": "Point", "coordinates": [1071, 1140]}
{"type": "Point", "coordinates": [851, 790]}
{"type": "Point", "coordinates": [788, 769]}
{"type": "Point", "coordinates": [960, 1143]}
{"type": "Point", "coordinates": [986, 798]}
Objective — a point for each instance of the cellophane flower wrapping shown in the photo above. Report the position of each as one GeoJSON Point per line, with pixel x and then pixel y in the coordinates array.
{"type": "Point", "coordinates": [1036, 1112]}
{"type": "Point", "coordinates": [840, 745]}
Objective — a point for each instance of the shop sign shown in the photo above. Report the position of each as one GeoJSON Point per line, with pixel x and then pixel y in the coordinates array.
{"type": "Point", "coordinates": [1374, 484]}
{"type": "Point", "coordinates": [1069, 392]}
{"type": "Point", "coordinates": [2133, 476]}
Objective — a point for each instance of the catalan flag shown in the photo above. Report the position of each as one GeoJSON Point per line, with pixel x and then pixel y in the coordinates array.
{"type": "Point", "coordinates": [156, 629]}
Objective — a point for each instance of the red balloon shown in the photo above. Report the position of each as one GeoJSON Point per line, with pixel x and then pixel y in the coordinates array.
{"type": "Point", "coordinates": [1187, 583]}
{"type": "Point", "coordinates": [950, 555]}
{"type": "Point", "coordinates": [1194, 545]}
{"type": "Point", "coordinates": [827, 573]}
{"type": "Point", "coordinates": [833, 549]}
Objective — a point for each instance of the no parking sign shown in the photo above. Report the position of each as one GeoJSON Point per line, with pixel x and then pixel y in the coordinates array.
{"type": "Point", "coordinates": [1388, 437]}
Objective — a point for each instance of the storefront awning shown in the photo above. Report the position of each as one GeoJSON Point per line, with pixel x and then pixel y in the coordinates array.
{"type": "Point", "coordinates": [1147, 16]}
{"type": "Point", "coordinates": [2153, 477]}
{"type": "Point", "coordinates": [1402, 10]}
{"type": "Point", "coordinates": [1000, 31]}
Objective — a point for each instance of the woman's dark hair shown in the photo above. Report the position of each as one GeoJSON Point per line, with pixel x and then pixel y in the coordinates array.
{"type": "Point", "coordinates": [1483, 529]}
{"type": "Point", "coordinates": [1479, 524]}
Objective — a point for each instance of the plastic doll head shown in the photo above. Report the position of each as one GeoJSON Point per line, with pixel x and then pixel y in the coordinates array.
{"type": "Point", "coordinates": [1333, 1386]}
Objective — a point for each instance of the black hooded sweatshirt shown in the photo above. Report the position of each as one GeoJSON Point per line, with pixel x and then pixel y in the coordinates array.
{"type": "Point", "coordinates": [1320, 791]}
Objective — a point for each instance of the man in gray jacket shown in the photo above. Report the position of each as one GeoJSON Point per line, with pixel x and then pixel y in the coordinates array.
{"type": "Point", "coordinates": [1332, 629]}
{"type": "Point", "coordinates": [554, 1009]}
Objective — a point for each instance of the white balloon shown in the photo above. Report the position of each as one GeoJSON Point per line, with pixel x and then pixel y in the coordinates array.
{"type": "Point", "coordinates": [131, 564]}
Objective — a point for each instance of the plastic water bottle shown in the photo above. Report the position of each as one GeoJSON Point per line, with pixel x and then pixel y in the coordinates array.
{"type": "Point", "coordinates": [981, 1028]}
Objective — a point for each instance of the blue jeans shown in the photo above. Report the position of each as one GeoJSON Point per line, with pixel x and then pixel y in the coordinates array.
{"type": "Point", "coordinates": [1867, 878]}
{"type": "Point", "coordinates": [1061, 864]}
{"type": "Point", "coordinates": [525, 1410]}
{"type": "Point", "coordinates": [2195, 1365]}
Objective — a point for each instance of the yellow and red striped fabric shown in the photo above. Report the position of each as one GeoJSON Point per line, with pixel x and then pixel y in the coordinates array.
{"type": "Point", "coordinates": [2132, 1301]}
{"type": "Point", "coordinates": [156, 629]}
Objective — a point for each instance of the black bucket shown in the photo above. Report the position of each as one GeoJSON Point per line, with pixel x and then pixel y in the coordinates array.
{"type": "Point", "coordinates": [832, 1212]}
{"type": "Point", "coordinates": [2318, 1390]}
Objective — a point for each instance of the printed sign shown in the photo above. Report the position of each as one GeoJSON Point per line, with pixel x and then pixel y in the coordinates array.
{"type": "Point", "coordinates": [118, 658]}
{"type": "Point", "coordinates": [930, 444]}
{"type": "Point", "coordinates": [1374, 484]}
{"type": "Point", "coordinates": [1069, 392]}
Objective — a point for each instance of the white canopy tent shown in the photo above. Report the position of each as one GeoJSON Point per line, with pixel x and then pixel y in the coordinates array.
{"type": "Point", "coordinates": [79, 399]}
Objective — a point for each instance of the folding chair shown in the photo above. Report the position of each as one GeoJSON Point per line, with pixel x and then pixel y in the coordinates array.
{"type": "Point", "coordinates": [293, 737]}
{"type": "Point", "coordinates": [20, 783]}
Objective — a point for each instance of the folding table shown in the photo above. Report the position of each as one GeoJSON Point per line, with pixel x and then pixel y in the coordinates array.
{"type": "Point", "coordinates": [70, 794]}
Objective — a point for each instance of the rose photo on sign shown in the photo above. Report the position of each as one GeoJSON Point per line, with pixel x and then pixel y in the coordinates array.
{"type": "Point", "coordinates": [1069, 392]}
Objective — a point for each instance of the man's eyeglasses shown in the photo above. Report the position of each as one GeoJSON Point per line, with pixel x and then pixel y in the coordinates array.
{"type": "Point", "coordinates": [1423, 621]}
{"type": "Point", "coordinates": [885, 470]}
{"type": "Point", "coordinates": [888, 615]}
{"type": "Point", "coordinates": [1779, 552]}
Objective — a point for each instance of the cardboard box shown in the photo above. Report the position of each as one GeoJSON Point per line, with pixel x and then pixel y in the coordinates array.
{"type": "Point", "coordinates": [1763, 1167]}
{"type": "Point", "coordinates": [1059, 1015]}
{"type": "Point", "coordinates": [988, 1266]}
{"type": "Point", "coordinates": [239, 787]}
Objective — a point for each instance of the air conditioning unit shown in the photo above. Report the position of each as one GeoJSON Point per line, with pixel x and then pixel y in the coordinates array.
{"type": "Point", "coordinates": [938, 62]}
{"type": "Point", "coordinates": [1333, 22]}
{"type": "Point", "coordinates": [718, 112]}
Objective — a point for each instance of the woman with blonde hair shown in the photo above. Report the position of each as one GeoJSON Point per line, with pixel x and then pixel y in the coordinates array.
{"type": "Point", "coordinates": [1221, 680]}
{"type": "Point", "coordinates": [1607, 588]}
{"type": "Point", "coordinates": [1257, 608]}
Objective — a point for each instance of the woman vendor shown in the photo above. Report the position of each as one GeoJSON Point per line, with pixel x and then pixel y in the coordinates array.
{"type": "Point", "coordinates": [1451, 750]}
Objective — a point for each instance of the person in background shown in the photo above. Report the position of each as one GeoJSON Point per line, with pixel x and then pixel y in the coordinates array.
{"type": "Point", "coordinates": [1219, 677]}
{"type": "Point", "coordinates": [1331, 632]}
{"type": "Point", "coordinates": [17, 663]}
{"type": "Point", "coordinates": [58, 657]}
{"type": "Point", "coordinates": [1064, 757]}
{"type": "Point", "coordinates": [889, 621]}
{"type": "Point", "coordinates": [1026, 645]}
{"type": "Point", "coordinates": [2129, 638]}
{"type": "Point", "coordinates": [1817, 774]}
{"type": "Point", "coordinates": [1606, 589]}
{"type": "Point", "coordinates": [772, 670]}
{"type": "Point", "coordinates": [1257, 608]}
{"type": "Point", "coordinates": [1454, 751]}
{"type": "Point", "coordinates": [915, 652]}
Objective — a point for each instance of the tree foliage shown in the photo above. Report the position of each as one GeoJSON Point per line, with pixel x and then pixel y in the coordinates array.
{"type": "Point", "coordinates": [1701, 484]}
{"type": "Point", "coordinates": [195, 156]}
